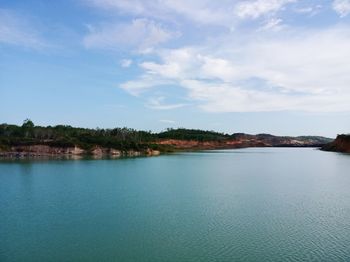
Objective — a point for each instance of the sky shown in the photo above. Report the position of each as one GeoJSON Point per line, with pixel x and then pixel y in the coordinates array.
{"type": "Point", "coordinates": [253, 66]}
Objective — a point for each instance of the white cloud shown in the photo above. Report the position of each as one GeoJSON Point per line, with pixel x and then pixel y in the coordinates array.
{"type": "Point", "coordinates": [199, 11]}
{"type": "Point", "coordinates": [264, 64]}
{"type": "Point", "coordinates": [129, 6]}
{"type": "Point", "coordinates": [167, 121]}
{"type": "Point", "coordinates": [203, 12]}
{"type": "Point", "coordinates": [159, 104]}
{"type": "Point", "coordinates": [295, 70]}
{"type": "Point", "coordinates": [140, 33]}
{"type": "Point", "coordinates": [342, 7]}
{"type": "Point", "coordinates": [126, 63]}
{"type": "Point", "coordinates": [222, 97]}
{"type": "Point", "coordinates": [304, 10]}
{"type": "Point", "coordinates": [187, 63]}
{"type": "Point", "coordinates": [15, 30]}
{"type": "Point", "coordinates": [309, 10]}
{"type": "Point", "coordinates": [274, 24]}
{"type": "Point", "coordinates": [144, 83]}
{"type": "Point", "coordinates": [257, 8]}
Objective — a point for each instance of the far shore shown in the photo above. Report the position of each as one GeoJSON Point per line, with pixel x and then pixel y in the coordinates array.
{"type": "Point", "coordinates": [76, 153]}
{"type": "Point", "coordinates": [30, 140]}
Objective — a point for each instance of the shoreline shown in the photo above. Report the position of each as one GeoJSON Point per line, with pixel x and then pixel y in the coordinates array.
{"type": "Point", "coordinates": [77, 153]}
{"type": "Point", "coordinates": [44, 151]}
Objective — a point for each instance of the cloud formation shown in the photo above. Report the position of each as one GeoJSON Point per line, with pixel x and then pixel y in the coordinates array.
{"type": "Point", "coordinates": [203, 12]}
{"type": "Point", "coordinates": [17, 31]}
{"type": "Point", "coordinates": [159, 104]}
{"type": "Point", "coordinates": [167, 121]}
{"type": "Point", "coordinates": [342, 7]}
{"type": "Point", "coordinates": [140, 33]}
{"type": "Point", "coordinates": [257, 8]}
{"type": "Point", "coordinates": [126, 63]}
{"type": "Point", "coordinates": [271, 73]}
{"type": "Point", "coordinates": [234, 56]}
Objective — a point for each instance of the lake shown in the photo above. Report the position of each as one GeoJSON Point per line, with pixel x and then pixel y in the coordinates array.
{"type": "Point", "coordinates": [255, 204]}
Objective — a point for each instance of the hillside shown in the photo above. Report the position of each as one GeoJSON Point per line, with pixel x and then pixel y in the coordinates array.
{"type": "Point", "coordinates": [240, 140]}
{"type": "Point", "coordinates": [340, 144]}
{"type": "Point", "coordinates": [29, 139]}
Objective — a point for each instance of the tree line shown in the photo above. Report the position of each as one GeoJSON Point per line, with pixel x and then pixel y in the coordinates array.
{"type": "Point", "coordinates": [119, 138]}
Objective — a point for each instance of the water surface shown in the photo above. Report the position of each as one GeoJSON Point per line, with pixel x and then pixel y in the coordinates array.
{"type": "Point", "coordinates": [260, 204]}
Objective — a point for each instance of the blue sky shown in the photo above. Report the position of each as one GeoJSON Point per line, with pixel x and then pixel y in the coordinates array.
{"type": "Point", "coordinates": [254, 66]}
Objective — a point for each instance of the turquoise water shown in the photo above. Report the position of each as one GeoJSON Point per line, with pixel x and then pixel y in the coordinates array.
{"type": "Point", "coordinates": [237, 205]}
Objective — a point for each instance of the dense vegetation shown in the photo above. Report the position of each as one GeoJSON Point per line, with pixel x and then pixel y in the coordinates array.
{"type": "Point", "coordinates": [66, 136]}
{"type": "Point", "coordinates": [130, 139]}
{"type": "Point", "coordinates": [119, 138]}
{"type": "Point", "coordinates": [192, 134]}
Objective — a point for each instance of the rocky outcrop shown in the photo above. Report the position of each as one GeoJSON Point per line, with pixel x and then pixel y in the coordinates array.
{"type": "Point", "coordinates": [151, 152]}
{"type": "Point", "coordinates": [244, 140]}
{"type": "Point", "coordinates": [340, 144]}
{"type": "Point", "coordinates": [96, 152]}
{"type": "Point", "coordinates": [237, 140]}
{"type": "Point", "coordinates": [42, 150]}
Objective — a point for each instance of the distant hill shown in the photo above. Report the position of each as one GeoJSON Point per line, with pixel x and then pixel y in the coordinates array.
{"type": "Point", "coordinates": [29, 139]}
{"type": "Point", "coordinates": [241, 140]}
{"type": "Point", "coordinates": [340, 144]}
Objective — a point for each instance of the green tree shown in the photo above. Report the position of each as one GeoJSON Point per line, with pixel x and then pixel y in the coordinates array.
{"type": "Point", "coordinates": [27, 128]}
{"type": "Point", "coordinates": [27, 123]}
